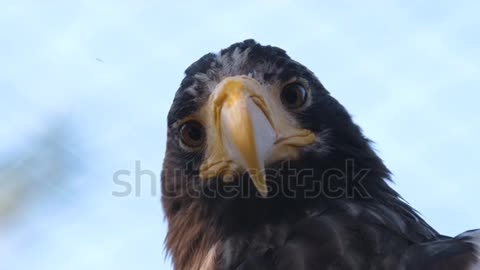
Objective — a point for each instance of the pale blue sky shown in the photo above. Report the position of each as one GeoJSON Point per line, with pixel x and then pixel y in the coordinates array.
{"type": "Point", "coordinates": [407, 70]}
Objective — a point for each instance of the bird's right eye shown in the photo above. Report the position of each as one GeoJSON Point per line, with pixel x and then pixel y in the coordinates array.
{"type": "Point", "coordinates": [192, 134]}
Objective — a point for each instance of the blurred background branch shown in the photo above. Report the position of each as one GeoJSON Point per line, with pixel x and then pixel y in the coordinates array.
{"type": "Point", "coordinates": [39, 168]}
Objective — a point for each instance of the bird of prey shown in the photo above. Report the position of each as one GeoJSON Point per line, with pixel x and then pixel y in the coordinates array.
{"type": "Point", "coordinates": [264, 169]}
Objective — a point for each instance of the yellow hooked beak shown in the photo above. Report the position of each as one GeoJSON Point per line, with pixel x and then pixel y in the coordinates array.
{"type": "Point", "coordinates": [248, 128]}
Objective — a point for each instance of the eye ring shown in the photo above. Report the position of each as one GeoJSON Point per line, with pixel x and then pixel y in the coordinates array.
{"type": "Point", "coordinates": [192, 134]}
{"type": "Point", "coordinates": [294, 96]}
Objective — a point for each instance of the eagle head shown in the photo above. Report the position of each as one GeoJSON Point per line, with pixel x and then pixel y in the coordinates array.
{"type": "Point", "coordinates": [253, 135]}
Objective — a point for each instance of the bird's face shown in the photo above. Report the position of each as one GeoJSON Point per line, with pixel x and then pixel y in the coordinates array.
{"type": "Point", "coordinates": [245, 125]}
{"type": "Point", "coordinates": [242, 110]}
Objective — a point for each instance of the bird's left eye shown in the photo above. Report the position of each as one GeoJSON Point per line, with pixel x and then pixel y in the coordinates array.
{"type": "Point", "coordinates": [192, 134]}
{"type": "Point", "coordinates": [294, 96]}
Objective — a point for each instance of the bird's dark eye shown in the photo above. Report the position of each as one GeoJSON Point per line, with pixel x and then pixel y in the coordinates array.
{"type": "Point", "coordinates": [192, 134]}
{"type": "Point", "coordinates": [294, 96]}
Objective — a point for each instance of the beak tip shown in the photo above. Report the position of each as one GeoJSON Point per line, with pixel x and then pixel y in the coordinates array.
{"type": "Point", "coordinates": [263, 193]}
{"type": "Point", "coordinates": [260, 184]}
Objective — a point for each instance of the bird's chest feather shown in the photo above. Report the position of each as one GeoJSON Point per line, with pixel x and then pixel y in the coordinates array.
{"type": "Point", "coordinates": [340, 241]}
